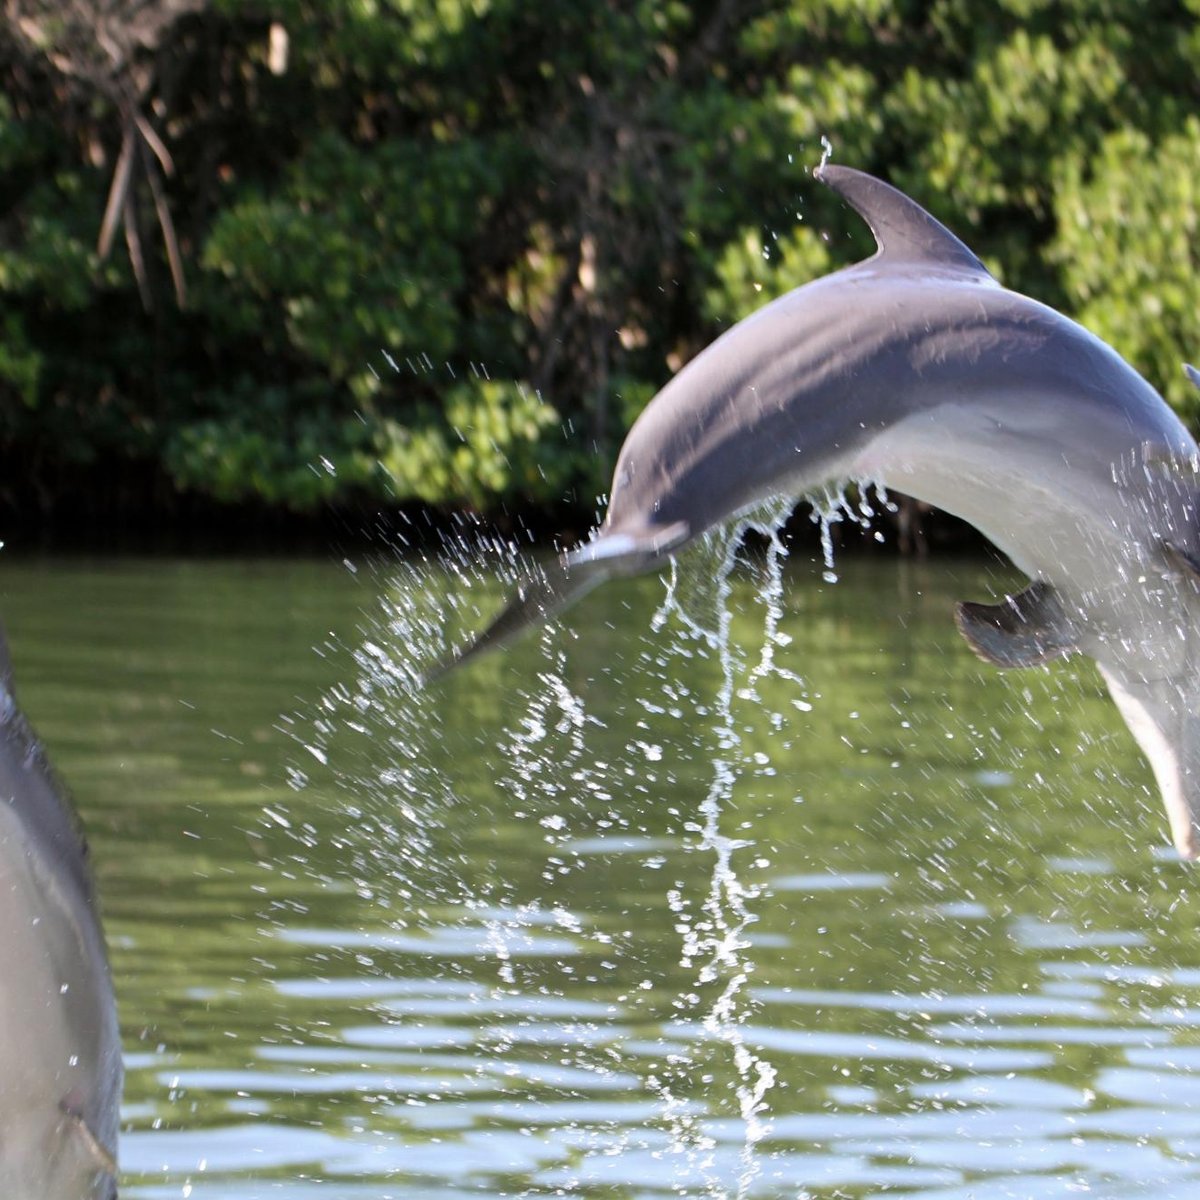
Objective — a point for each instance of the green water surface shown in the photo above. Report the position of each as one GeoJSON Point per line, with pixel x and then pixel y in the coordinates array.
{"type": "Point", "coordinates": [886, 922]}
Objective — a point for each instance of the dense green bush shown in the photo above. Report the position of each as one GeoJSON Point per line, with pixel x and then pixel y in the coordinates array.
{"type": "Point", "coordinates": [448, 250]}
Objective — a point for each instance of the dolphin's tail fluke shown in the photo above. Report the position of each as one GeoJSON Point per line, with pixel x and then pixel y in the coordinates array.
{"type": "Point", "coordinates": [560, 583]}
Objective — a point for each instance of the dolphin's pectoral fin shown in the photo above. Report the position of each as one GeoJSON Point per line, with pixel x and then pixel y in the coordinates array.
{"type": "Point", "coordinates": [1025, 631]}
{"type": "Point", "coordinates": [92, 1146]}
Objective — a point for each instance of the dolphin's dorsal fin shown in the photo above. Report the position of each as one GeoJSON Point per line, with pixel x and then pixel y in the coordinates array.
{"type": "Point", "coordinates": [904, 231]}
{"type": "Point", "coordinates": [1026, 630]}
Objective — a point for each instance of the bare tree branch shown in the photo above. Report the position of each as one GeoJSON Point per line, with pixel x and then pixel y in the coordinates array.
{"type": "Point", "coordinates": [133, 240]}
{"type": "Point", "coordinates": [106, 48]}
{"type": "Point", "coordinates": [174, 259]}
{"type": "Point", "coordinates": [155, 143]}
{"type": "Point", "coordinates": [118, 192]}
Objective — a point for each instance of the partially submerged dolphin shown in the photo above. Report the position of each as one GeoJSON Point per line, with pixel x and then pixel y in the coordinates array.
{"type": "Point", "coordinates": [916, 370]}
{"type": "Point", "coordinates": [60, 1048]}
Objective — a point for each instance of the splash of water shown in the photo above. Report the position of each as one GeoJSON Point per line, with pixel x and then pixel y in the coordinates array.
{"type": "Point", "coordinates": [771, 596]}
{"type": "Point", "coordinates": [387, 822]}
{"type": "Point", "coordinates": [549, 776]}
{"type": "Point", "coordinates": [715, 941]}
{"type": "Point", "coordinates": [555, 785]}
{"type": "Point", "coordinates": [849, 500]}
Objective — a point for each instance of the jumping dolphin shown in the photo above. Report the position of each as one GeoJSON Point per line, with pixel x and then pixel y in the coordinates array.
{"type": "Point", "coordinates": [917, 370]}
{"type": "Point", "coordinates": [60, 1048]}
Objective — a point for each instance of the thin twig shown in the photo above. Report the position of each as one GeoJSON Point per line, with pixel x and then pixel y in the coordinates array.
{"type": "Point", "coordinates": [156, 144]}
{"type": "Point", "coordinates": [134, 241]}
{"type": "Point", "coordinates": [118, 192]}
{"type": "Point", "coordinates": [174, 258]}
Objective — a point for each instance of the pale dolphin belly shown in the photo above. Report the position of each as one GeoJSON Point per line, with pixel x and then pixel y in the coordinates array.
{"type": "Point", "coordinates": [992, 467]}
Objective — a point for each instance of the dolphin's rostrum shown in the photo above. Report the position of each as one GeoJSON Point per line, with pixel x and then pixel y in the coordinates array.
{"type": "Point", "coordinates": [916, 370]}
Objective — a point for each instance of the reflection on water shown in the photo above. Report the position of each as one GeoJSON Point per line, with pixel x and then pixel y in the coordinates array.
{"type": "Point", "coordinates": [372, 945]}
